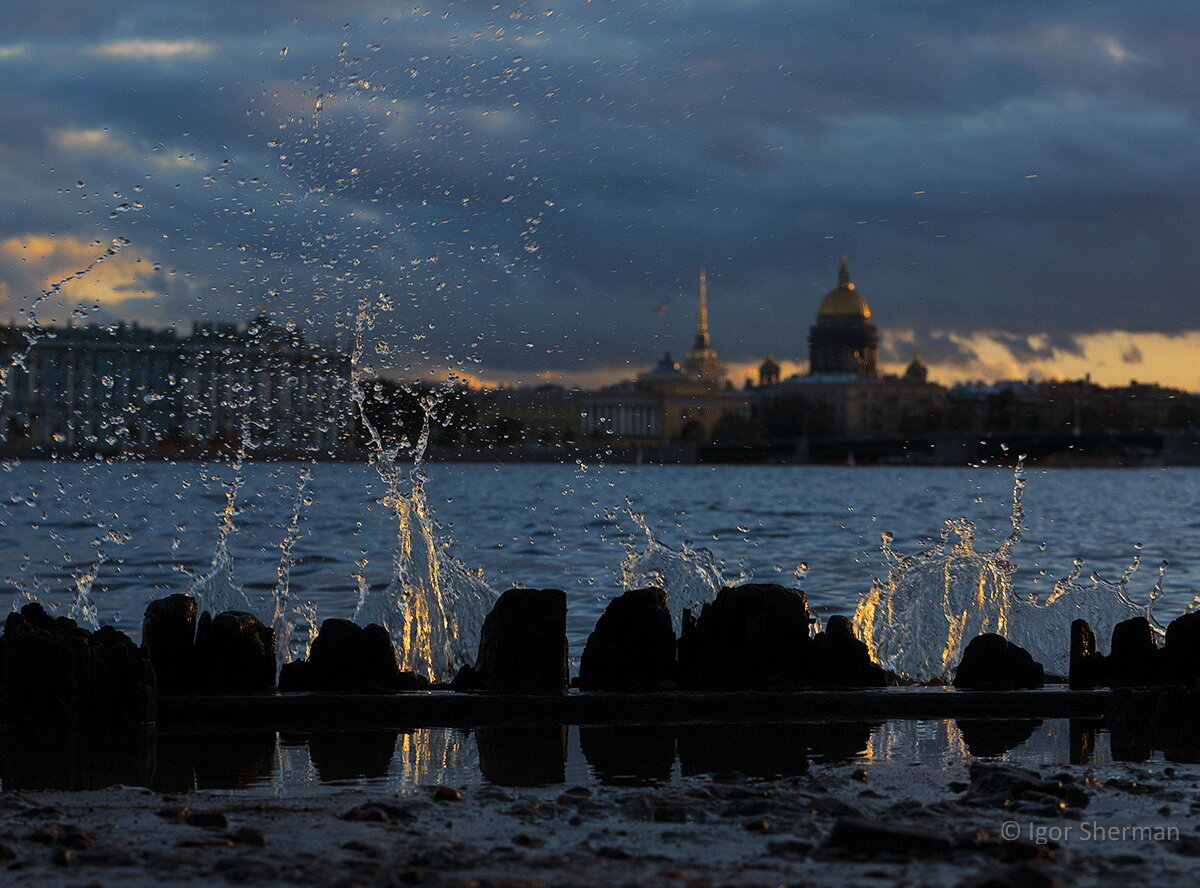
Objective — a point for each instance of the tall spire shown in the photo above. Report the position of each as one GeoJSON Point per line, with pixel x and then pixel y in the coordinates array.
{"type": "Point", "coordinates": [703, 340]}
{"type": "Point", "coordinates": [844, 274]}
{"type": "Point", "coordinates": [702, 361]}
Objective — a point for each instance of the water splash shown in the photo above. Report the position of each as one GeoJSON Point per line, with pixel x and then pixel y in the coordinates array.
{"type": "Point", "coordinates": [83, 609]}
{"type": "Point", "coordinates": [435, 605]}
{"type": "Point", "coordinates": [689, 576]}
{"type": "Point", "coordinates": [1100, 601]}
{"type": "Point", "coordinates": [288, 617]}
{"type": "Point", "coordinates": [217, 590]}
{"type": "Point", "coordinates": [918, 619]}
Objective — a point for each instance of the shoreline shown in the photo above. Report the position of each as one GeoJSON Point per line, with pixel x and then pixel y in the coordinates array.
{"type": "Point", "coordinates": [953, 450]}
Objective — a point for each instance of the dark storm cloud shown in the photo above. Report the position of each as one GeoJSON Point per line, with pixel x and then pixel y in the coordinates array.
{"type": "Point", "coordinates": [1025, 348]}
{"type": "Point", "coordinates": [528, 184]}
{"type": "Point", "coordinates": [1132, 355]}
{"type": "Point", "coordinates": [936, 347]}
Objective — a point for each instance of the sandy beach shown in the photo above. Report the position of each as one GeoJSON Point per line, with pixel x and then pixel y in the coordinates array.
{"type": "Point", "coordinates": [886, 824]}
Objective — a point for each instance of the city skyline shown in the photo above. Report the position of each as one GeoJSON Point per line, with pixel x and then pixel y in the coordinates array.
{"type": "Point", "coordinates": [531, 187]}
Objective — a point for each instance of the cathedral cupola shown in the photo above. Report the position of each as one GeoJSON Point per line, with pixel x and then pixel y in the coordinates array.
{"type": "Point", "coordinates": [843, 341]}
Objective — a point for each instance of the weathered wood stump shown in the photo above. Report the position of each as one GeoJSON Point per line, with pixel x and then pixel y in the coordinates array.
{"type": "Point", "coordinates": [838, 659]}
{"type": "Point", "coordinates": [750, 636]}
{"type": "Point", "coordinates": [632, 647]}
{"type": "Point", "coordinates": [350, 659]}
{"type": "Point", "coordinates": [1133, 659]}
{"type": "Point", "coordinates": [523, 645]}
{"type": "Point", "coordinates": [992, 662]}
{"type": "Point", "coordinates": [169, 636]}
{"type": "Point", "coordinates": [55, 674]}
{"type": "Point", "coordinates": [235, 654]}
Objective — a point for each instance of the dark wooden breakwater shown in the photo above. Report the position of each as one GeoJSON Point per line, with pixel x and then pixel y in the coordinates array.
{"type": "Point", "coordinates": [748, 656]}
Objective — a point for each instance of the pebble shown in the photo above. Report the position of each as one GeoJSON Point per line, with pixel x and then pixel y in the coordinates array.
{"type": "Point", "coordinates": [173, 814]}
{"type": "Point", "coordinates": [873, 837]}
{"type": "Point", "coordinates": [246, 835]}
{"type": "Point", "coordinates": [206, 820]}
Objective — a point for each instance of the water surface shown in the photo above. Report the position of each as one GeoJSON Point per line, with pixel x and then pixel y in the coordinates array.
{"type": "Point", "coordinates": [145, 526]}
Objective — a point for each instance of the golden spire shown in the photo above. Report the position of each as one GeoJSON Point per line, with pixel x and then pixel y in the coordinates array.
{"type": "Point", "coordinates": [844, 275]}
{"type": "Point", "coordinates": [703, 340]}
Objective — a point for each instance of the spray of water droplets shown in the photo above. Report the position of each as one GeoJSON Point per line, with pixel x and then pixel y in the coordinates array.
{"type": "Point", "coordinates": [918, 618]}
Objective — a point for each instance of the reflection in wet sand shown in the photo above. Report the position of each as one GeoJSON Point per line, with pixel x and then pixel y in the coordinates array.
{"type": "Point", "coordinates": [524, 755]}
{"type": "Point", "coordinates": [538, 755]}
{"type": "Point", "coordinates": [629, 756]}
{"type": "Point", "coordinates": [349, 755]}
{"type": "Point", "coordinates": [987, 738]}
{"type": "Point", "coordinates": [32, 759]}
{"type": "Point", "coordinates": [1082, 741]}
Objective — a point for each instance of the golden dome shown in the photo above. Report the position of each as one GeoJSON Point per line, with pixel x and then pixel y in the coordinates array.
{"type": "Point", "coordinates": [844, 301]}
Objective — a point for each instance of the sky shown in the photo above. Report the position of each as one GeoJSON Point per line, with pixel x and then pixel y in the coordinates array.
{"type": "Point", "coordinates": [521, 192]}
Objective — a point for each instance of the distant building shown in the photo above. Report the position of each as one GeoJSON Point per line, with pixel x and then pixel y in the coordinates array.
{"type": "Point", "coordinates": [843, 395]}
{"type": "Point", "coordinates": [89, 386]}
{"type": "Point", "coordinates": [769, 372]}
{"type": "Point", "coordinates": [1070, 405]}
{"type": "Point", "coordinates": [843, 341]}
{"type": "Point", "coordinates": [547, 415]}
{"type": "Point", "coordinates": [669, 403]}
{"type": "Point", "coordinates": [126, 387]}
{"type": "Point", "coordinates": [702, 362]}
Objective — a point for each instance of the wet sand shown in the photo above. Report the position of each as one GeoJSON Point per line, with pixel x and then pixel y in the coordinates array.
{"type": "Point", "coordinates": [843, 824]}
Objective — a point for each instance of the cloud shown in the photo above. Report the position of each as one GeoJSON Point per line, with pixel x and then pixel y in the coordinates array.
{"type": "Point", "coordinates": [1105, 357]}
{"type": "Point", "coordinates": [122, 286]}
{"type": "Point", "coordinates": [938, 347]}
{"type": "Point", "coordinates": [86, 140]}
{"type": "Point", "coordinates": [1010, 184]}
{"type": "Point", "coordinates": [1044, 347]}
{"type": "Point", "coordinates": [139, 49]}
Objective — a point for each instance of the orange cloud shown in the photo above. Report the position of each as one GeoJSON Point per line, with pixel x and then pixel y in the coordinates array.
{"type": "Point", "coordinates": [156, 50]}
{"type": "Point", "coordinates": [1110, 357]}
{"type": "Point", "coordinates": [87, 140]}
{"type": "Point", "coordinates": [33, 263]}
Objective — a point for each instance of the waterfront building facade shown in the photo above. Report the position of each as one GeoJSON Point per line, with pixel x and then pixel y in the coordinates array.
{"type": "Point", "coordinates": [541, 416]}
{"type": "Point", "coordinates": [124, 387]}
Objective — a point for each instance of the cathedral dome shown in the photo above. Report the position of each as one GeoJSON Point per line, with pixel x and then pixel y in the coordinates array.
{"type": "Point", "coordinates": [844, 301]}
{"type": "Point", "coordinates": [843, 341]}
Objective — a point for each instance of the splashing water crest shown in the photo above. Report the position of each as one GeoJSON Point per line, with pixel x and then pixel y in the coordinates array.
{"type": "Point", "coordinates": [690, 576]}
{"type": "Point", "coordinates": [919, 618]}
{"type": "Point", "coordinates": [1102, 602]}
{"type": "Point", "coordinates": [287, 617]}
{"type": "Point", "coordinates": [83, 609]}
{"type": "Point", "coordinates": [435, 605]}
{"type": "Point", "coordinates": [217, 590]}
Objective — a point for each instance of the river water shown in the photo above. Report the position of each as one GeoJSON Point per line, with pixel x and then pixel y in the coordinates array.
{"type": "Point", "coordinates": [142, 528]}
